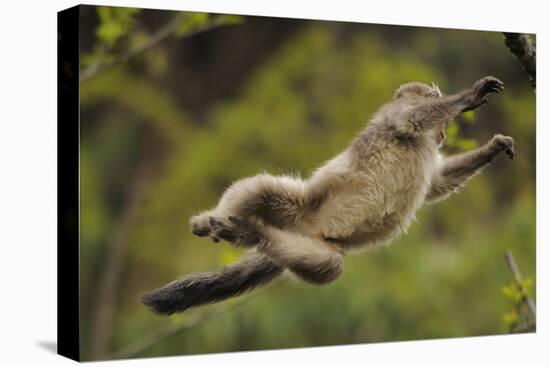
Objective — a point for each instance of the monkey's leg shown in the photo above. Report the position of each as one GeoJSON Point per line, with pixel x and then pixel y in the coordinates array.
{"type": "Point", "coordinates": [442, 110]}
{"type": "Point", "coordinates": [276, 200]}
{"type": "Point", "coordinates": [457, 169]}
{"type": "Point", "coordinates": [312, 260]}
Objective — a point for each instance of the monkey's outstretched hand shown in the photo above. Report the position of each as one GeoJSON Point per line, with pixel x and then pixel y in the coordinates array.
{"type": "Point", "coordinates": [478, 94]}
{"type": "Point", "coordinates": [504, 144]}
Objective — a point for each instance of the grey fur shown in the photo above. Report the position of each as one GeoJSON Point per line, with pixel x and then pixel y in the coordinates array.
{"type": "Point", "coordinates": [250, 272]}
{"type": "Point", "coordinates": [364, 197]}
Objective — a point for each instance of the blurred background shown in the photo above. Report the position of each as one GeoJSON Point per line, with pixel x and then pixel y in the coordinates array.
{"type": "Point", "coordinates": [175, 106]}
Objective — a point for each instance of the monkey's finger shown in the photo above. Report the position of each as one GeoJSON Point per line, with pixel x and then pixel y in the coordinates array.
{"type": "Point", "coordinates": [483, 101]}
{"type": "Point", "coordinates": [238, 221]}
{"type": "Point", "coordinates": [511, 152]}
{"type": "Point", "coordinates": [215, 239]}
{"type": "Point", "coordinates": [215, 223]}
{"type": "Point", "coordinates": [492, 79]}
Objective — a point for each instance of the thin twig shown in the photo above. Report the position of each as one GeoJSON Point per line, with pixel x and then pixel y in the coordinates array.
{"type": "Point", "coordinates": [171, 330]}
{"type": "Point", "coordinates": [157, 37]}
{"type": "Point", "coordinates": [518, 279]}
{"type": "Point", "coordinates": [153, 40]}
{"type": "Point", "coordinates": [523, 48]}
{"type": "Point", "coordinates": [165, 332]}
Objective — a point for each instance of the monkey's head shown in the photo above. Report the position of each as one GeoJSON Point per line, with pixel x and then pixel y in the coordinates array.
{"type": "Point", "coordinates": [418, 89]}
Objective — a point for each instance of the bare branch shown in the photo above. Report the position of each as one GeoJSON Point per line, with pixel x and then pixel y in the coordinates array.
{"type": "Point", "coordinates": [172, 329]}
{"type": "Point", "coordinates": [163, 333]}
{"type": "Point", "coordinates": [523, 48]}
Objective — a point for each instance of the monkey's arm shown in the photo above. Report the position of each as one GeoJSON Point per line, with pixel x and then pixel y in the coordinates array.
{"type": "Point", "coordinates": [438, 111]}
{"type": "Point", "coordinates": [458, 169]}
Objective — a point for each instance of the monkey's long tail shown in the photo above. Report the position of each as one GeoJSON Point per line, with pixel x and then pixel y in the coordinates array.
{"type": "Point", "coordinates": [252, 271]}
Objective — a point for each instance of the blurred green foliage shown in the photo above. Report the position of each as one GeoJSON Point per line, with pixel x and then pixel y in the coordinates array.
{"type": "Point", "coordinates": [152, 160]}
{"type": "Point", "coordinates": [115, 23]}
{"type": "Point", "coordinates": [119, 36]}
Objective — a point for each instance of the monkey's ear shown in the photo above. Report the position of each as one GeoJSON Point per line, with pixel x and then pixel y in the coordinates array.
{"type": "Point", "coordinates": [435, 92]}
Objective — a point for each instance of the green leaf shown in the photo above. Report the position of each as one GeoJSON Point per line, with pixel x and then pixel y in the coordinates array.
{"type": "Point", "coordinates": [508, 291]}
{"type": "Point", "coordinates": [192, 22]}
{"type": "Point", "coordinates": [513, 292]}
{"type": "Point", "coordinates": [114, 22]}
{"type": "Point", "coordinates": [197, 21]}
{"type": "Point", "coordinates": [229, 19]}
{"type": "Point", "coordinates": [510, 318]}
{"type": "Point", "coordinates": [109, 32]}
{"type": "Point", "coordinates": [528, 284]}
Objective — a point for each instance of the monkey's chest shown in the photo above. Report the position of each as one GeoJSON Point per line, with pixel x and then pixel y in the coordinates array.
{"type": "Point", "coordinates": [377, 204]}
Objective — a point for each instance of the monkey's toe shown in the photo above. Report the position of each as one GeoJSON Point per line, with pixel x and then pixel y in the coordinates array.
{"type": "Point", "coordinates": [236, 230]}
{"type": "Point", "coordinates": [223, 231]}
{"type": "Point", "coordinates": [200, 231]}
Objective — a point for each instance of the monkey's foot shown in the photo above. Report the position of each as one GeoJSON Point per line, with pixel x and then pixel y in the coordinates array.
{"type": "Point", "coordinates": [481, 89]}
{"type": "Point", "coordinates": [236, 230]}
{"type": "Point", "coordinates": [200, 225]}
{"type": "Point", "coordinates": [505, 144]}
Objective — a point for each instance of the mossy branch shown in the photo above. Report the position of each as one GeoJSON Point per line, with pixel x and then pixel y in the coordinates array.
{"type": "Point", "coordinates": [524, 49]}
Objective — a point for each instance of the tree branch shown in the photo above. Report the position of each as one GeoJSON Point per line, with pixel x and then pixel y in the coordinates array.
{"type": "Point", "coordinates": [518, 279]}
{"type": "Point", "coordinates": [523, 48]}
{"type": "Point", "coordinates": [156, 38]}
{"type": "Point", "coordinates": [170, 330]}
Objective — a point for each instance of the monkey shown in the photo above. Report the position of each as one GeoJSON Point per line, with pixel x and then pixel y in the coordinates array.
{"type": "Point", "coordinates": [364, 197]}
